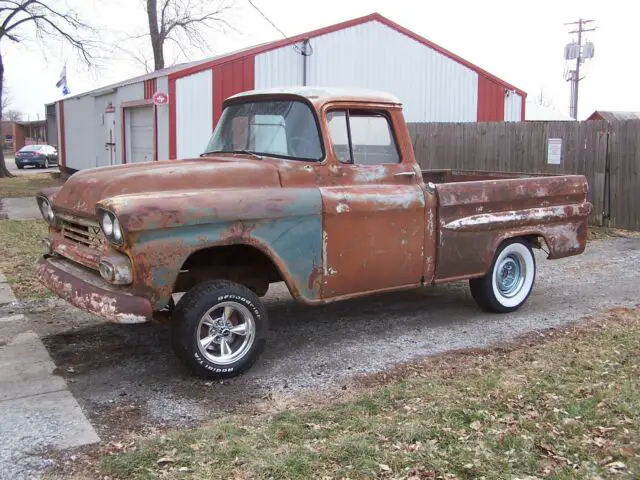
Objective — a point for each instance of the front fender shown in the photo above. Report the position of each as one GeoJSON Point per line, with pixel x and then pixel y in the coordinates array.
{"type": "Point", "coordinates": [162, 232]}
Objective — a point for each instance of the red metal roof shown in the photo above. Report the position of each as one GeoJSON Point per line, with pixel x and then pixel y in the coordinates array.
{"type": "Point", "coordinates": [265, 47]}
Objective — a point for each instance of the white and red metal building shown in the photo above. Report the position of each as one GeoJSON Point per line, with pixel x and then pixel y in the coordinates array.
{"type": "Point", "coordinates": [121, 123]}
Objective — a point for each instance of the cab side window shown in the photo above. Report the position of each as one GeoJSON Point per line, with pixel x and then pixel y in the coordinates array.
{"type": "Point", "coordinates": [362, 137]}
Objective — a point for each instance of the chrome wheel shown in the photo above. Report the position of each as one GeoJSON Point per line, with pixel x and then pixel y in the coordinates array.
{"type": "Point", "coordinates": [225, 333]}
{"type": "Point", "coordinates": [510, 274]}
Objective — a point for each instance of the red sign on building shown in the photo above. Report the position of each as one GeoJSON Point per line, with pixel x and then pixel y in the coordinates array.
{"type": "Point", "coordinates": [160, 98]}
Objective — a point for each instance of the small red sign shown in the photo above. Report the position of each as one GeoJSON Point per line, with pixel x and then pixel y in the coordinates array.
{"type": "Point", "coordinates": [160, 98]}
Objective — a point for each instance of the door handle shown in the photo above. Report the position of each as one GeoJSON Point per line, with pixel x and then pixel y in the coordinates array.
{"type": "Point", "coordinates": [405, 174]}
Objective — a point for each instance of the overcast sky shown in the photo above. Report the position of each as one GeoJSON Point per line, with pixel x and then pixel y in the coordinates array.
{"type": "Point", "coordinates": [520, 42]}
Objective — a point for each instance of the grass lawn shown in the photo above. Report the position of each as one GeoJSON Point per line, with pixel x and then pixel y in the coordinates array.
{"type": "Point", "coordinates": [565, 406]}
{"type": "Point", "coordinates": [27, 185]}
{"type": "Point", "coordinates": [20, 249]}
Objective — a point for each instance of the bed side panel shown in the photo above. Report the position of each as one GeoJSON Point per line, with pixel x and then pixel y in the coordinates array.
{"type": "Point", "coordinates": [475, 217]}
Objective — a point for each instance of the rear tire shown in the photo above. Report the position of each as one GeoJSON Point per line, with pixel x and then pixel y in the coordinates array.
{"type": "Point", "coordinates": [509, 282]}
{"type": "Point", "coordinates": [20, 167]}
{"type": "Point", "coordinates": [219, 329]}
{"type": "Point", "coordinates": [46, 163]}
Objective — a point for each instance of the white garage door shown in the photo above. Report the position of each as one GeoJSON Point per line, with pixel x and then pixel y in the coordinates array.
{"type": "Point", "coordinates": [139, 122]}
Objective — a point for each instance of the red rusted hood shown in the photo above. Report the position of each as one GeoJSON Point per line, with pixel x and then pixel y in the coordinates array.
{"type": "Point", "coordinates": [84, 189]}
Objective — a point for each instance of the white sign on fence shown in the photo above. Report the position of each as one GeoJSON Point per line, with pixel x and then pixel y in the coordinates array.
{"type": "Point", "coordinates": [554, 151]}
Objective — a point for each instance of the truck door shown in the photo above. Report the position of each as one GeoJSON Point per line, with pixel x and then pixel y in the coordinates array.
{"type": "Point", "coordinates": [374, 208]}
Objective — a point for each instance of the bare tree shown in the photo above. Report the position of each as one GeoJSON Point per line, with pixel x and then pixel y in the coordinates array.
{"type": "Point", "coordinates": [183, 22]}
{"type": "Point", "coordinates": [42, 21]}
{"type": "Point", "coordinates": [5, 103]}
{"type": "Point", "coordinates": [543, 100]}
{"type": "Point", "coordinates": [12, 115]}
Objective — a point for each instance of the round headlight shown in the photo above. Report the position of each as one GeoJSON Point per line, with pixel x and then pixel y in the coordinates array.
{"type": "Point", "coordinates": [117, 233]}
{"type": "Point", "coordinates": [46, 210]}
{"type": "Point", "coordinates": [107, 224]}
{"type": "Point", "coordinates": [43, 204]}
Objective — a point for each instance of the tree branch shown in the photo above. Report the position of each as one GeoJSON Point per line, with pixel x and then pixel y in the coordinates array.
{"type": "Point", "coordinates": [20, 7]}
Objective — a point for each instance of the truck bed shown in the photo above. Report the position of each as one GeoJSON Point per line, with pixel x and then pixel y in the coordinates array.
{"type": "Point", "coordinates": [478, 210]}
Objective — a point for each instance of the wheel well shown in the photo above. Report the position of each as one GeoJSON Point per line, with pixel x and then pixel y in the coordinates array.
{"type": "Point", "coordinates": [243, 264]}
{"type": "Point", "coordinates": [536, 240]}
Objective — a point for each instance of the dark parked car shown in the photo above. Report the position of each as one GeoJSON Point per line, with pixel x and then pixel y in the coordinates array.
{"type": "Point", "coordinates": [40, 156]}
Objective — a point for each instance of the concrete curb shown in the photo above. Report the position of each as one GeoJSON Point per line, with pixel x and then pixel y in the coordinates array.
{"type": "Point", "coordinates": [37, 410]}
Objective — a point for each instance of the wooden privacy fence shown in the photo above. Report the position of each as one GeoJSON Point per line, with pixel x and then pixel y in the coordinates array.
{"type": "Point", "coordinates": [607, 154]}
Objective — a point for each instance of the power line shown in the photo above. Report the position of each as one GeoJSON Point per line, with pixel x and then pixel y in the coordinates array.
{"type": "Point", "coordinates": [267, 19]}
{"type": "Point", "coordinates": [307, 48]}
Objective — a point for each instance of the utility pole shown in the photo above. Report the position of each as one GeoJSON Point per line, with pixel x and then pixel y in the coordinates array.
{"type": "Point", "coordinates": [581, 53]}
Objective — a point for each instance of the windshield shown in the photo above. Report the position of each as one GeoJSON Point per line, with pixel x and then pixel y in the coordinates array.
{"type": "Point", "coordinates": [284, 129]}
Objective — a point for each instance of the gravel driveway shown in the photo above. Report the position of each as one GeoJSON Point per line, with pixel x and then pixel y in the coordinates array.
{"type": "Point", "coordinates": [127, 379]}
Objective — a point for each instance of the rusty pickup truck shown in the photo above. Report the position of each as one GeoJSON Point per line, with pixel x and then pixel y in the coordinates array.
{"type": "Point", "coordinates": [318, 188]}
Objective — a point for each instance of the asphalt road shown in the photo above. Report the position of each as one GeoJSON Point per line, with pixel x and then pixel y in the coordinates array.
{"type": "Point", "coordinates": [11, 166]}
{"type": "Point", "coordinates": [126, 378]}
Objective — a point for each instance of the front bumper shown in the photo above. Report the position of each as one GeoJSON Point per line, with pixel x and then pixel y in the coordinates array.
{"type": "Point", "coordinates": [86, 290]}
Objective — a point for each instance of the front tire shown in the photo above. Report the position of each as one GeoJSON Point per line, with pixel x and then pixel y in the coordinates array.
{"type": "Point", "coordinates": [219, 329]}
{"type": "Point", "coordinates": [509, 282]}
{"type": "Point", "coordinates": [46, 163]}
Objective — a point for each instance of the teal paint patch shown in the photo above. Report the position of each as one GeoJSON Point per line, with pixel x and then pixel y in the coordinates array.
{"type": "Point", "coordinates": [295, 237]}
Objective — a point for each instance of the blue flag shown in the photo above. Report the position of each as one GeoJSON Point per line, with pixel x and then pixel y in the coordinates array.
{"type": "Point", "coordinates": [62, 81]}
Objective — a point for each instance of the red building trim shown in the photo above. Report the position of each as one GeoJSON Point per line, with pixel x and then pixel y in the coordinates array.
{"type": "Point", "coordinates": [524, 102]}
{"type": "Point", "coordinates": [490, 101]}
{"type": "Point", "coordinates": [155, 133]}
{"type": "Point", "coordinates": [136, 103]}
{"type": "Point", "coordinates": [150, 87]}
{"type": "Point", "coordinates": [124, 135]}
{"type": "Point", "coordinates": [231, 78]}
{"type": "Point", "coordinates": [62, 151]}
{"type": "Point", "coordinates": [172, 118]}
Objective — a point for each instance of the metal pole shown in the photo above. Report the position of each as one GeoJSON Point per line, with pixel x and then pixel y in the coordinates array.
{"type": "Point", "coordinates": [577, 79]}
{"type": "Point", "coordinates": [575, 74]}
{"type": "Point", "coordinates": [305, 45]}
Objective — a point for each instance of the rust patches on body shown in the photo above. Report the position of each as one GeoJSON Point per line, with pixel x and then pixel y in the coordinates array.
{"type": "Point", "coordinates": [86, 290]}
{"type": "Point", "coordinates": [476, 216]}
{"type": "Point", "coordinates": [238, 231]}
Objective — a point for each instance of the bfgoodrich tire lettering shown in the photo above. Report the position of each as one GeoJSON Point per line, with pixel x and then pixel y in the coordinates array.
{"type": "Point", "coordinates": [509, 282]}
{"type": "Point", "coordinates": [218, 329]}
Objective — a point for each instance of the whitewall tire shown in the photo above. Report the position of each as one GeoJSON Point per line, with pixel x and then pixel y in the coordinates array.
{"type": "Point", "coordinates": [509, 282]}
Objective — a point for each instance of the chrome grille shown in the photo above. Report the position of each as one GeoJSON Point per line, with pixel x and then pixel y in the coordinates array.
{"type": "Point", "coordinates": [79, 230]}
